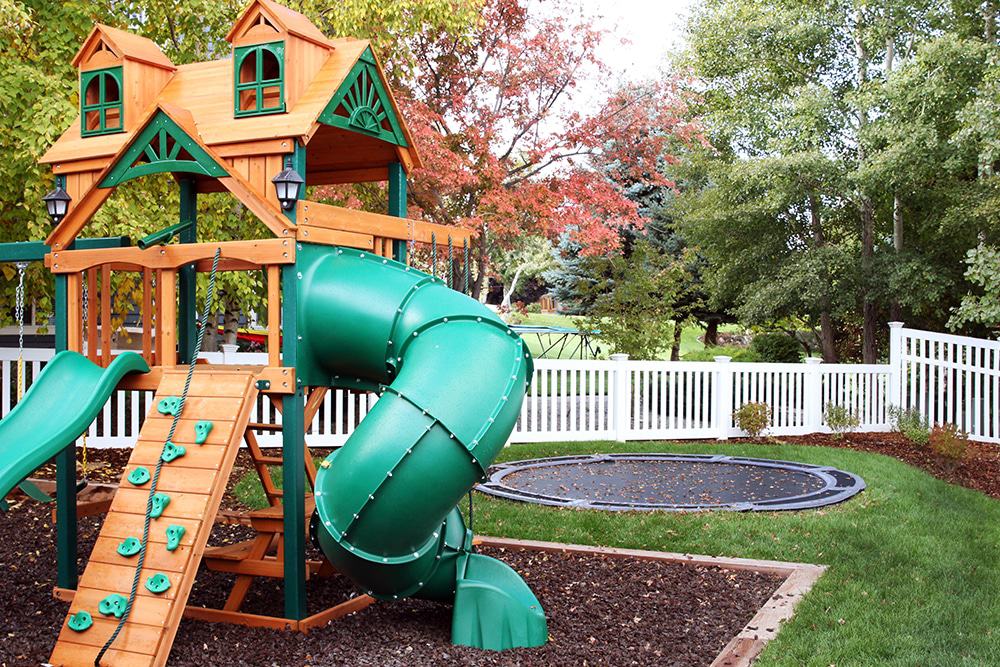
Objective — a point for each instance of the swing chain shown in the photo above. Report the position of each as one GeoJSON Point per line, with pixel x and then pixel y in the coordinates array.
{"type": "Point", "coordinates": [83, 453]}
{"type": "Point", "coordinates": [19, 315]}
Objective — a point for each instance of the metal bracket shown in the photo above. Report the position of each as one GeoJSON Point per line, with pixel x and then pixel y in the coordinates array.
{"type": "Point", "coordinates": [263, 385]}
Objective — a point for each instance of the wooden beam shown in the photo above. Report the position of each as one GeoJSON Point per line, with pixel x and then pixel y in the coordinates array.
{"type": "Point", "coordinates": [247, 148]}
{"type": "Point", "coordinates": [74, 313]}
{"type": "Point", "coordinates": [254, 253]}
{"type": "Point", "coordinates": [273, 316]}
{"type": "Point", "coordinates": [166, 311]}
{"type": "Point", "coordinates": [335, 237]}
{"type": "Point", "coordinates": [79, 215]}
{"type": "Point", "coordinates": [281, 379]}
{"type": "Point", "coordinates": [313, 214]}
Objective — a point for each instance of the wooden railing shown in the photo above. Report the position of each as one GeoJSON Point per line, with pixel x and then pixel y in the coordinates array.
{"type": "Point", "coordinates": [90, 332]}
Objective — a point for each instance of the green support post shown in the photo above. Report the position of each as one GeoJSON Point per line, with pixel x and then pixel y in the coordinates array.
{"type": "Point", "coordinates": [66, 529]}
{"type": "Point", "coordinates": [186, 329]}
{"type": "Point", "coordinates": [293, 469]}
{"type": "Point", "coordinates": [397, 205]}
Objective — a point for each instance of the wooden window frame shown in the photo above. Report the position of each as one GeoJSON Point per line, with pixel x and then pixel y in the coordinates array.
{"type": "Point", "coordinates": [257, 86]}
{"type": "Point", "coordinates": [102, 106]}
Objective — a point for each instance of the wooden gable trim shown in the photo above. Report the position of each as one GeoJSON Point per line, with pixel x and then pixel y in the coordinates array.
{"type": "Point", "coordinates": [135, 47]}
{"type": "Point", "coordinates": [81, 213]}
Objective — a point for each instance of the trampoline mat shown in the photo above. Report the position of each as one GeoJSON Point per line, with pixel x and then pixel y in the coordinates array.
{"type": "Point", "coordinates": [671, 482]}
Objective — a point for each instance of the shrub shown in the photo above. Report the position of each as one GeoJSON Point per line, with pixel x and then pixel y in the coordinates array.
{"type": "Point", "coordinates": [949, 443]}
{"type": "Point", "coordinates": [912, 425]}
{"type": "Point", "coordinates": [776, 347]}
{"type": "Point", "coordinates": [533, 308]}
{"type": "Point", "coordinates": [840, 419]}
{"type": "Point", "coordinates": [753, 418]}
{"type": "Point", "coordinates": [710, 353]}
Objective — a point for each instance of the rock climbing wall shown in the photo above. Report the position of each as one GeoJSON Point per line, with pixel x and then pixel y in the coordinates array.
{"type": "Point", "coordinates": [196, 468]}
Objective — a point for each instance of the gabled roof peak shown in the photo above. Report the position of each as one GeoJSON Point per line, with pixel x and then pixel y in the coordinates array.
{"type": "Point", "coordinates": [125, 45]}
{"type": "Point", "coordinates": [282, 17]}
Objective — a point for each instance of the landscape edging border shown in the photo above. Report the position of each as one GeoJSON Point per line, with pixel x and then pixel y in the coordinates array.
{"type": "Point", "coordinates": [749, 642]}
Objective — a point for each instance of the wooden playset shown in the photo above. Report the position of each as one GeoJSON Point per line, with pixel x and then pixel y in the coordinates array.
{"type": "Point", "coordinates": [289, 110]}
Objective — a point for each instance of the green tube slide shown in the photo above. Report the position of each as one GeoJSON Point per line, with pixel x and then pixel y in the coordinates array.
{"type": "Point", "coordinates": [451, 377]}
{"type": "Point", "coordinates": [59, 405]}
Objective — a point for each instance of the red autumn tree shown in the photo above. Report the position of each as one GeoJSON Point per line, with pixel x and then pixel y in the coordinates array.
{"type": "Point", "coordinates": [508, 150]}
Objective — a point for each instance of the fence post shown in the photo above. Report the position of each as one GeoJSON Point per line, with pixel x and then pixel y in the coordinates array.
{"type": "Point", "coordinates": [723, 413]}
{"type": "Point", "coordinates": [813, 395]}
{"type": "Point", "coordinates": [621, 404]}
{"type": "Point", "coordinates": [229, 353]}
{"type": "Point", "coordinates": [896, 364]}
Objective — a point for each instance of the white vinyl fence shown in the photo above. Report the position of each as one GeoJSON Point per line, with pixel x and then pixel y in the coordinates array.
{"type": "Point", "coordinates": [948, 379]}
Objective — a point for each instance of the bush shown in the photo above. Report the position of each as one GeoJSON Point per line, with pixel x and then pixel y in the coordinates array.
{"type": "Point", "coordinates": [776, 347]}
{"type": "Point", "coordinates": [840, 419]}
{"type": "Point", "coordinates": [533, 308]}
{"type": "Point", "coordinates": [949, 443]}
{"type": "Point", "coordinates": [710, 353]}
{"type": "Point", "coordinates": [753, 418]}
{"type": "Point", "coordinates": [912, 425]}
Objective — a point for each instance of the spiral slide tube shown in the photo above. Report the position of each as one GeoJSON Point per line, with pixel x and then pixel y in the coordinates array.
{"type": "Point", "coordinates": [452, 377]}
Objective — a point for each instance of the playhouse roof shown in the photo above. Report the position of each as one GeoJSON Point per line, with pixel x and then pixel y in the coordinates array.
{"type": "Point", "coordinates": [125, 45]}
{"type": "Point", "coordinates": [288, 19]}
{"type": "Point", "coordinates": [203, 89]}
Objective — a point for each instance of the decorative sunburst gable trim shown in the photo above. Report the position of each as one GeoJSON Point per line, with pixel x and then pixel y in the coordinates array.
{"type": "Point", "coordinates": [362, 104]}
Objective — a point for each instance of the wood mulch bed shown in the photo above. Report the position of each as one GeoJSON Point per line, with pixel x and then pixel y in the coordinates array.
{"type": "Point", "coordinates": [979, 470]}
{"type": "Point", "coordinates": [601, 610]}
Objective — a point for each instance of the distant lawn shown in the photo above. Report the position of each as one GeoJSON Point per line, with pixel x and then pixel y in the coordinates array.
{"type": "Point", "coordinates": [690, 336]}
{"type": "Point", "coordinates": [913, 560]}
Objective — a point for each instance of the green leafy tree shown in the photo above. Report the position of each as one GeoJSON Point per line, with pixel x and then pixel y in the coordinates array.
{"type": "Point", "coordinates": [632, 303]}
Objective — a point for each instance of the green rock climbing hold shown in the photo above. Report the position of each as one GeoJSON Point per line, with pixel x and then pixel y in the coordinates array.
{"type": "Point", "coordinates": [113, 605]}
{"type": "Point", "coordinates": [201, 431]}
{"type": "Point", "coordinates": [80, 621]}
{"type": "Point", "coordinates": [129, 547]}
{"type": "Point", "coordinates": [174, 535]}
{"type": "Point", "coordinates": [171, 405]}
{"type": "Point", "coordinates": [171, 452]}
{"type": "Point", "coordinates": [139, 476]}
{"type": "Point", "coordinates": [160, 502]}
{"type": "Point", "coordinates": [158, 583]}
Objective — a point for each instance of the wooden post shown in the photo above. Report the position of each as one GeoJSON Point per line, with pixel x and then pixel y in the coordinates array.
{"type": "Point", "coordinates": [74, 313]}
{"type": "Point", "coordinates": [106, 305]}
{"type": "Point", "coordinates": [166, 327]}
{"type": "Point", "coordinates": [896, 366]}
{"type": "Point", "coordinates": [273, 315]}
{"type": "Point", "coordinates": [66, 529]}
{"type": "Point", "coordinates": [186, 332]}
{"type": "Point", "coordinates": [397, 205]}
{"type": "Point", "coordinates": [293, 438]}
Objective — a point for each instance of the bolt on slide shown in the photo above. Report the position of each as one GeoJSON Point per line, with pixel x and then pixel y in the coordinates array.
{"type": "Point", "coordinates": [452, 377]}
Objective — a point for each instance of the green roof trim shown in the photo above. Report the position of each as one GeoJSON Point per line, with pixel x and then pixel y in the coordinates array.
{"type": "Point", "coordinates": [362, 104]}
{"type": "Point", "coordinates": [157, 150]}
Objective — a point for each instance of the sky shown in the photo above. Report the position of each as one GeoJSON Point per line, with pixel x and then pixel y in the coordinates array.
{"type": "Point", "coordinates": [653, 28]}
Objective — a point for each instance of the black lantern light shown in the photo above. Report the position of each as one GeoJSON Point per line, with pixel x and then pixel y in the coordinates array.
{"type": "Point", "coordinates": [57, 203]}
{"type": "Point", "coordinates": [289, 185]}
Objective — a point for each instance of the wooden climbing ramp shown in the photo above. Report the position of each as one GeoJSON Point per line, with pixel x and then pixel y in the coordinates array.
{"type": "Point", "coordinates": [195, 483]}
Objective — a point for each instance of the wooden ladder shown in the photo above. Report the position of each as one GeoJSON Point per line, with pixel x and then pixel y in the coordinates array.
{"type": "Point", "coordinates": [195, 483]}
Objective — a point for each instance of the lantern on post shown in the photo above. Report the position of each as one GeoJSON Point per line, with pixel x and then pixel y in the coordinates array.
{"type": "Point", "coordinates": [288, 184]}
{"type": "Point", "coordinates": [57, 203]}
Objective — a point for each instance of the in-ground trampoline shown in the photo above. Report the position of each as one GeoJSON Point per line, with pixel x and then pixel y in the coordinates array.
{"type": "Point", "coordinates": [674, 482]}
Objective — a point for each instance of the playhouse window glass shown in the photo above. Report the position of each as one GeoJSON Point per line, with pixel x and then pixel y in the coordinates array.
{"type": "Point", "coordinates": [101, 107]}
{"type": "Point", "coordinates": [260, 81]}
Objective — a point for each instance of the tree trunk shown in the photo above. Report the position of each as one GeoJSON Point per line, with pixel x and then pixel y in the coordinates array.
{"type": "Point", "coordinates": [509, 291]}
{"type": "Point", "coordinates": [867, 209]}
{"type": "Point", "coordinates": [825, 320]}
{"type": "Point", "coordinates": [231, 325]}
{"type": "Point", "coordinates": [826, 338]}
{"type": "Point", "coordinates": [482, 257]}
{"type": "Point", "coordinates": [895, 310]}
{"type": "Point", "coordinates": [712, 332]}
{"type": "Point", "coordinates": [211, 341]}
{"type": "Point", "coordinates": [675, 348]}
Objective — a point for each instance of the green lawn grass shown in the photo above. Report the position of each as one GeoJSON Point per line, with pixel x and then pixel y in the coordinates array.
{"type": "Point", "coordinates": [914, 562]}
{"type": "Point", "coordinates": [689, 336]}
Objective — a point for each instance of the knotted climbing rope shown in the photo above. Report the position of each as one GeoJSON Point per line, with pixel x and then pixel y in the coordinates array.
{"type": "Point", "coordinates": [159, 463]}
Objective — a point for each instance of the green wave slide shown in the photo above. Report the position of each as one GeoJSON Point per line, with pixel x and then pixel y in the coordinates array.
{"type": "Point", "coordinates": [452, 377]}
{"type": "Point", "coordinates": [59, 405]}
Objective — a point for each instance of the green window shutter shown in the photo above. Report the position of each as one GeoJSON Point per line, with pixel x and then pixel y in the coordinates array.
{"type": "Point", "coordinates": [161, 148]}
{"type": "Point", "coordinates": [102, 109]}
{"type": "Point", "coordinates": [259, 79]}
{"type": "Point", "coordinates": [362, 104]}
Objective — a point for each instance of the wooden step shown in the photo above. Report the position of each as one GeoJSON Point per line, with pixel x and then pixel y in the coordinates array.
{"type": "Point", "coordinates": [195, 483]}
{"type": "Point", "coordinates": [264, 427]}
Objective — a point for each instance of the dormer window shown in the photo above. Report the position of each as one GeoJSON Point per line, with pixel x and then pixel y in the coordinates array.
{"type": "Point", "coordinates": [101, 104]}
{"type": "Point", "coordinates": [259, 73]}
